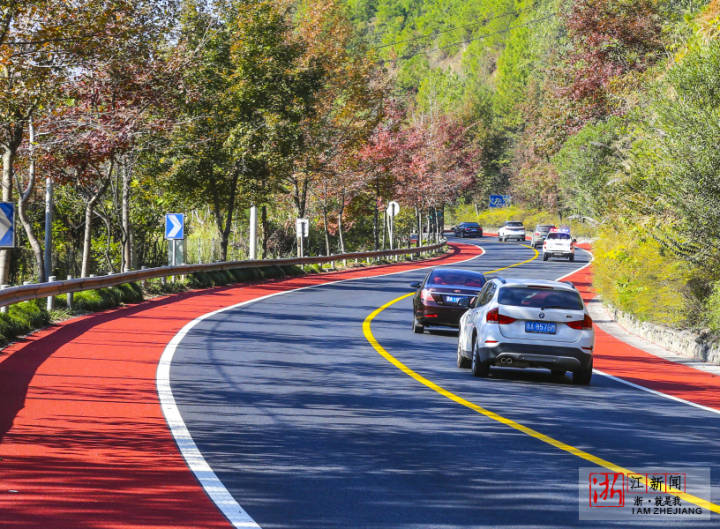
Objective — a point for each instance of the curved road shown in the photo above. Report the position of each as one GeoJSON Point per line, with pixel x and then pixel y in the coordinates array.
{"type": "Point", "coordinates": [309, 427]}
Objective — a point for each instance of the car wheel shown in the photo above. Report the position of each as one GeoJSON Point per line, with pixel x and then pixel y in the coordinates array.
{"type": "Point", "coordinates": [572, 258]}
{"type": "Point", "coordinates": [479, 368]}
{"type": "Point", "coordinates": [416, 327]}
{"type": "Point", "coordinates": [545, 257]}
{"type": "Point", "coordinates": [583, 376]}
{"type": "Point", "coordinates": [462, 362]}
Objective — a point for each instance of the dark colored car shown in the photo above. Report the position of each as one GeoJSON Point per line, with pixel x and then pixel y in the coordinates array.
{"type": "Point", "coordinates": [443, 296]}
{"type": "Point", "coordinates": [468, 229]}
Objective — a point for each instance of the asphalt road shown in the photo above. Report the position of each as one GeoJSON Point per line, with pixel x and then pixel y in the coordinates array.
{"type": "Point", "coordinates": [309, 427]}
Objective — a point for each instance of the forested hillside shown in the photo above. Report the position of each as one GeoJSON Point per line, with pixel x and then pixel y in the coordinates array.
{"type": "Point", "coordinates": [115, 112]}
{"type": "Point", "coordinates": [607, 109]}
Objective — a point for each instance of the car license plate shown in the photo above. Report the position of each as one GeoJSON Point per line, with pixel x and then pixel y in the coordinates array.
{"type": "Point", "coordinates": [542, 327]}
{"type": "Point", "coordinates": [454, 300]}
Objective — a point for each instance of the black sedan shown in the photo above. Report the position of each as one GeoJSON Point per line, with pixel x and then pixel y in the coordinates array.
{"type": "Point", "coordinates": [443, 296]}
{"type": "Point", "coordinates": [468, 229]}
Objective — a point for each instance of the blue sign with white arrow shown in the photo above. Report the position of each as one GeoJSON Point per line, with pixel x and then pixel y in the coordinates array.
{"type": "Point", "coordinates": [499, 201]}
{"type": "Point", "coordinates": [7, 225]}
{"type": "Point", "coordinates": [174, 226]}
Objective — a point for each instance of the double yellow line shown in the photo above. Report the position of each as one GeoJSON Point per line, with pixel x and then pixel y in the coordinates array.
{"type": "Point", "coordinates": [367, 330]}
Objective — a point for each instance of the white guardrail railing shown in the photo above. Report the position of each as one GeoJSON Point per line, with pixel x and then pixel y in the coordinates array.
{"type": "Point", "coordinates": [16, 294]}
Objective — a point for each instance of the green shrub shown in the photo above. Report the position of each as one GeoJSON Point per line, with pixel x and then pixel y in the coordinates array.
{"type": "Point", "coordinates": [22, 318]}
{"type": "Point", "coordinates": [712, 308]}
{"type": "Point", "coordinates": [104, 298]}
{"type": "Point", "coordinates": [633, 273]}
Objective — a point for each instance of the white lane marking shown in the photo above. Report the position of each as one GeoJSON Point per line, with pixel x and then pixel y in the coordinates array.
{"type": "Point", "coordinates": [214, 488]}
{"type": "Point", "coordinates": [659, 393]}
{"type": "Point", "coordinates": [628, 383]}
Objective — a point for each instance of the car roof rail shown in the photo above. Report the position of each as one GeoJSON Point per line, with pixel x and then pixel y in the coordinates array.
{"type": "Point", "coordinates": [499, 278]}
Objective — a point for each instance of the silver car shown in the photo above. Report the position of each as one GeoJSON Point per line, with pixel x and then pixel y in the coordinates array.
{"type": "Point", "coordinates": [527, 323]}
{"type": "Point", "coordinates": [540, 234]}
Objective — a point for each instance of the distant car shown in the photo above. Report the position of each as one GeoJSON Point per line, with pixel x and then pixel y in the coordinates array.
{"type": "Point", "coordinates": [538, 236]}
{"type": "Point", "coordinates": [559, 243]}
{"type": "Point", "coordinates": [443, 296]}
{"type": "Point", "coordinates": [527, 323]}
{"type": "Point", "coordinates": [468, 229]}
{"type": "Point", "coordinates": [512, 229]}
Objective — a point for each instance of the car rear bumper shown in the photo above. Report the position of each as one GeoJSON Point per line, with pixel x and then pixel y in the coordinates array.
{"type": "Point", "coordinates": [443, 316]}
{"type": "Point", "coordinates": [527, 355]}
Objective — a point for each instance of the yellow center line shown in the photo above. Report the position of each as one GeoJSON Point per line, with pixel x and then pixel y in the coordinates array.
{"type": "Point", "coordinates": [367, 330]}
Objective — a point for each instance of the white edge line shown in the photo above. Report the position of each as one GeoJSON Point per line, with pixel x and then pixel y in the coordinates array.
{"type": "Point", "coordinates": [628, 383]}
{"type": "Point", "coordinates": [214, 488]}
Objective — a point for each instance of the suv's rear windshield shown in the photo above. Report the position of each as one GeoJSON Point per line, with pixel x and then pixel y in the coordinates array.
{"type": "Point", "coordinates": [558, 236]}
{"type": "Point", "coordinates": [541, 298]}
{"type": "Point", "coordinates": [470, 224]}
{"type": "Point", "coordinates": [544, 228]}
{"type": "Point", "coordinates": [514, 224]}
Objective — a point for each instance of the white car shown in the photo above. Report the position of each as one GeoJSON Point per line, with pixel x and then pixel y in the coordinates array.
{"type": "Point", "coordinates": [512, 229]}
{"type": "Point", "coordinates": [559, 244]}
{"type": "Point", "coordinates": [527, 323]}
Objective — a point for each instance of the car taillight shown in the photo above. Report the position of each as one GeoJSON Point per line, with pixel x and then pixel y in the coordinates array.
{"type": "Point", "coordinates": [426, 296]}
{"type": "Point", "coordinates": [537, 233]}
{"type": "Point", "coordinates": [494, 316]}
{"type": "Point", "coordinates": [579, 325]}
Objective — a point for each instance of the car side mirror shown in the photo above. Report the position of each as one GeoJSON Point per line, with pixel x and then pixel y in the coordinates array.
{"type": "Point", "coordinates": [416, 284]}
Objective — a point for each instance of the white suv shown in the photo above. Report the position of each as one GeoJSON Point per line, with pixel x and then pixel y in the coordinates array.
{"type": "Point", "coordinates": [527, 323]}
{"type": "Point", "coordinates": [512, 229]}
{"type": "Point", "coordinates": [558, 244]}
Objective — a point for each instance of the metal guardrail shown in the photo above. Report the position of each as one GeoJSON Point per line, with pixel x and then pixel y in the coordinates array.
{"type": "Point", "coordinates": [16, 294]}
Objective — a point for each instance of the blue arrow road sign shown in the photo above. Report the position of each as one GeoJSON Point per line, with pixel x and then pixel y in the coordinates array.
{"type": "Point", "coordinates": [7, 225]}
{"type": "Point", "coordinates": [174, 226]}
{"type": "Point", "coordinates": [499, 201]}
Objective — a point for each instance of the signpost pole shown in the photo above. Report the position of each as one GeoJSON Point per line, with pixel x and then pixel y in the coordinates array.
{"type": "Point", "coordinates": [253, 232]}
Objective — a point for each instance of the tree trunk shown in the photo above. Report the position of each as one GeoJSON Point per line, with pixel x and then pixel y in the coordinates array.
{"type": "Point", "coordinates": [341, 238]}
{"type": "Point", "coordinates": [86, 238]}
{"type": "Point", "coordinates": [384, 228]}
{"type": "Point", "coordinates": [420, 227]}
{"type": "Point", "coordinates": [24, 196]}
{"type": "Point", "coordinates": [15, 133]}
{"type": "Point", "coordinates": [376, 217]}
{"type": "Point", "coordinates": [125, 218]}
{"type": "Point", "coordinates": [89, 207]}
{"type": "Point", "coordinates": [325, 226]}
{"type": "Point", "coordinates": [265, 231]}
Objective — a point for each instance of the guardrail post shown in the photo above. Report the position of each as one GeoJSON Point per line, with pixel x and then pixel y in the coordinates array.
{"type": "Point", "coordinates": [144, 281]}
{"type": "Point", "coordinates": [50, 299]}
{"type": "Point", "coordinates": [4, 308]}
{"type": "Point", "coordinates": [69, 298]}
